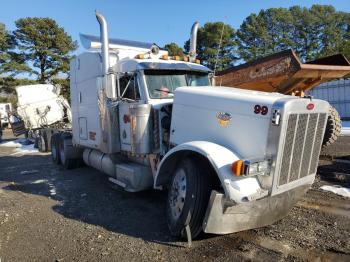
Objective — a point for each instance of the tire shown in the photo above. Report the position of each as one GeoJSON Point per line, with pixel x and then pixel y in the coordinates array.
{"type": "Point", "coordinates": [42, 141]}
{"type": "Point", "coordinates": [333, 127]}
{"type": "Point", "coordinates": [36, 141]}
{"type": "Point", "coordinates": [48, 139]}
{"type": "Point", "coordinates": [55, 149]}
{"type": "Point", "coordinates": [66, 161]}
{"type": "Point", "coordinates": [188, 196]}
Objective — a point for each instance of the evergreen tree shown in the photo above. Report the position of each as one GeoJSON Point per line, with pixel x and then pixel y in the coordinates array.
{"type": "Point", "coordinates": [45, 45]}
{"type": "Point", "coordinates": [215, 45]}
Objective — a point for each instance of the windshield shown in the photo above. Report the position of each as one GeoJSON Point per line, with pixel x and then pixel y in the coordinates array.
{"type": "Point", "coordinates": [162, 83]}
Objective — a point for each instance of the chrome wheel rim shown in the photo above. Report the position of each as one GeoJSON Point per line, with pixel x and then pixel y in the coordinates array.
{"type": "Point", "coordinates": [178, 193]}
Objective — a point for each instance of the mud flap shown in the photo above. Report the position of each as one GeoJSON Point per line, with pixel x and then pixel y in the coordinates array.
{"type": "Point", "coordinates": [18, 128]}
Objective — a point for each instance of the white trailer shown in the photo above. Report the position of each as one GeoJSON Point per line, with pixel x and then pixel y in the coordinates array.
{"type": "Point", "coordinates": [231, 159]}
{"type": "Point", "coordinates": [42, 112]}
{"type": "Point", "coordinates": [5, 110]}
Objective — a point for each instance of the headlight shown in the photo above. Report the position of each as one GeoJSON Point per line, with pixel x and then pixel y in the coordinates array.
{"type": "Point", "coordinates": [258, 168]}
{"type": "Point", "coordinates": [248, 167]}
{"type": "Point", "coordinates": [253, 168]}
{"type": "Point", "coordinates": [264, 166]}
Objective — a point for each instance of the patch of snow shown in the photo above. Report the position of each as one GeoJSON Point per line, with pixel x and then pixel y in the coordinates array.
{"type": "Point", "coordinates": [28, 172]}
{"type": "Point", "coordinates": [39, 181]}
{"type": "Point", "coordinates": [52, 189]}
{"type": "Point", "coordinates": [11, 144]}
{"type": "Point", "coordinates": [342, 191]}
{"type": "Point", "coordinates": [25, 149]}
{"type": "Point", "coordinates": [21, 146]}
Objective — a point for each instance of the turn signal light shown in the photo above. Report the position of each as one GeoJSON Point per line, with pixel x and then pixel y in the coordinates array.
{"type": "Point", "coordinates": [237, 167]}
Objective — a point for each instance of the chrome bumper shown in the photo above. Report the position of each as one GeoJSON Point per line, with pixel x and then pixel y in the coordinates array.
{"type": "Point", "coordinates": [224, 217]}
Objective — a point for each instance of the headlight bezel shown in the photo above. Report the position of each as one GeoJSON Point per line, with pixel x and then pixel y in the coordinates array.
{"type": "Point", "coordinates": [253, 168]}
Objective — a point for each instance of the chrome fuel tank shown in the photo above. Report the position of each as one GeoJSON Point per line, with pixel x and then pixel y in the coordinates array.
{"type": "Point", "coordinates": [135, 123]}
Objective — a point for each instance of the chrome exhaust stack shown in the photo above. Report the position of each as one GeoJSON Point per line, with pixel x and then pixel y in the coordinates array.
{"type": "Point", "coordinates": [104, 42]}
{"type": "Point", "coordinates": [109, 82]}
{"type": "Point", "coordinates": [193, 42]}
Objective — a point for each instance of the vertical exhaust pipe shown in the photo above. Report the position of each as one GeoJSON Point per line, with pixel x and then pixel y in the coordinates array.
{"type": "Point", "coordinates": [193, 42]}
{"type": "Point", "coordinates": [109, 79]}
{"type": "Point", "coordinates": [104, 42]}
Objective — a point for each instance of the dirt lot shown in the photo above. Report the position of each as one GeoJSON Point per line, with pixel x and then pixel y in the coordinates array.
{"type": "Point", "coordinates": [49, 214]}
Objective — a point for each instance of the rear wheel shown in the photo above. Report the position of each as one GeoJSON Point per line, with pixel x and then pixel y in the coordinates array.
{"type": "Point", "coordinates": [55, 153]}
{"type": "Point", "coordinates": [64, 152]}
{"type": "Point", "coordinates": [36, 142]}
{"type": "Point", "coordinates": [42, 141]}
{"type": "Point", "coordinates": [333, 127]}
{"type": "Point", "coordinates": [188, 196]}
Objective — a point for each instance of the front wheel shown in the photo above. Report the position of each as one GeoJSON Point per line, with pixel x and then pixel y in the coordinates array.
{"type": "Point", "coordinates": [188, 196]}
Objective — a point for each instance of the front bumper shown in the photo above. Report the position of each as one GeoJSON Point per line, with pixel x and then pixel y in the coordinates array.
{"type": "Point", "coordinates": [224, 217]}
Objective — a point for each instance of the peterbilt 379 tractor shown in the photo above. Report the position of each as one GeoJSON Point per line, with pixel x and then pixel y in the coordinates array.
{"type": "Point", "coordinates": [230, 159]}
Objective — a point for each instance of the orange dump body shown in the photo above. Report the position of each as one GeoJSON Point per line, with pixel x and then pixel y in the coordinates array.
{"type": "Point", "coordinates": [284, 73]}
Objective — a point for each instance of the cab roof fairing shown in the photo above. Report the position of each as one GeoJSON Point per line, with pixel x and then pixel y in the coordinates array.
{"type": "Point", "coordinates": [94, 42]}
{"type": "Point", "coordinates": [131, 65]}
{"type": "Point", "coordinates": [124, 49]}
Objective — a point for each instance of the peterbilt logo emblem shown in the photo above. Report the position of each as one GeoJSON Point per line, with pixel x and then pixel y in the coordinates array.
{"type": "Point", "coordinates": [223, 118]}
{"type": "Point", "coordinates": [310, 106]}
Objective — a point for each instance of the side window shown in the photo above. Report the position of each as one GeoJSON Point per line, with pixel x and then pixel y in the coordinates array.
{"type": "Point", "coordinates": [129, 87]}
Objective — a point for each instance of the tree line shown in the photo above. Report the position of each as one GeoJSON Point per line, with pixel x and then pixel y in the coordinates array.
{"type": "Point", "coordinates": [40, 48]}
{"type": "Point", "coordinates": [312, 32]}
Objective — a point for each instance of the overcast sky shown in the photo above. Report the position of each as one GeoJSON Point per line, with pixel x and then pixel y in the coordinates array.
{"type": "Point", "coordinates": [155, 21]}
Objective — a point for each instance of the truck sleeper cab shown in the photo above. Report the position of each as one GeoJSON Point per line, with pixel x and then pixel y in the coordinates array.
{"type": "Point", "coordinates": [230, 159]}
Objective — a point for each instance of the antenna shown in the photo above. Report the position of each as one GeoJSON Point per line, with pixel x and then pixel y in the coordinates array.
{"type": "Point", "coordinates": [217, 54]}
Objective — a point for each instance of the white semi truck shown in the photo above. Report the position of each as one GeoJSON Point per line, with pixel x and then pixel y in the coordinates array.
{"type": "Point", "coordinates": [231, 159]}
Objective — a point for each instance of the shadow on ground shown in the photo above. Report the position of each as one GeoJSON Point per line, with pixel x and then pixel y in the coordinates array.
{"type": "Point", "coordinates": [85, 195]}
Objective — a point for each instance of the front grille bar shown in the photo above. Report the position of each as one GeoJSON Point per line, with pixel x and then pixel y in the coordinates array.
{"type": "Point", "coordinates": [302, 146]}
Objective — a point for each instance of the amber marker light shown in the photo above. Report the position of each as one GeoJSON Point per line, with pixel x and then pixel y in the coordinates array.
{"type": "Point", "coordinates": [164, 57]}
{"type": "Point", "coordinates": [237, 167]}
{"type": "Point", "coordinates": [140, 56]}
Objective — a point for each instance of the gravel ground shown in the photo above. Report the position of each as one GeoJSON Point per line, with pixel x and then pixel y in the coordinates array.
{"type": "Point", "coordinates": [49, 214]}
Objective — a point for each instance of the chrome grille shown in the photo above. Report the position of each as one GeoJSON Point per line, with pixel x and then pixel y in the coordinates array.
{"type": "Point", "coordinates": [302, 146]}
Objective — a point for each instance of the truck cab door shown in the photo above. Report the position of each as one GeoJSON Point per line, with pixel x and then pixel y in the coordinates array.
{"type": "Point", "coordinates": [130, 95]}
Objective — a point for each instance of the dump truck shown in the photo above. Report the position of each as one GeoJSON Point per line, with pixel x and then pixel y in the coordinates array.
{"type": "Point", "coordinates": [41, 112]}
{"type": "Point", "coordinates": [230, 159]}
{"type": "Point", "coordinates": [283, 72]}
